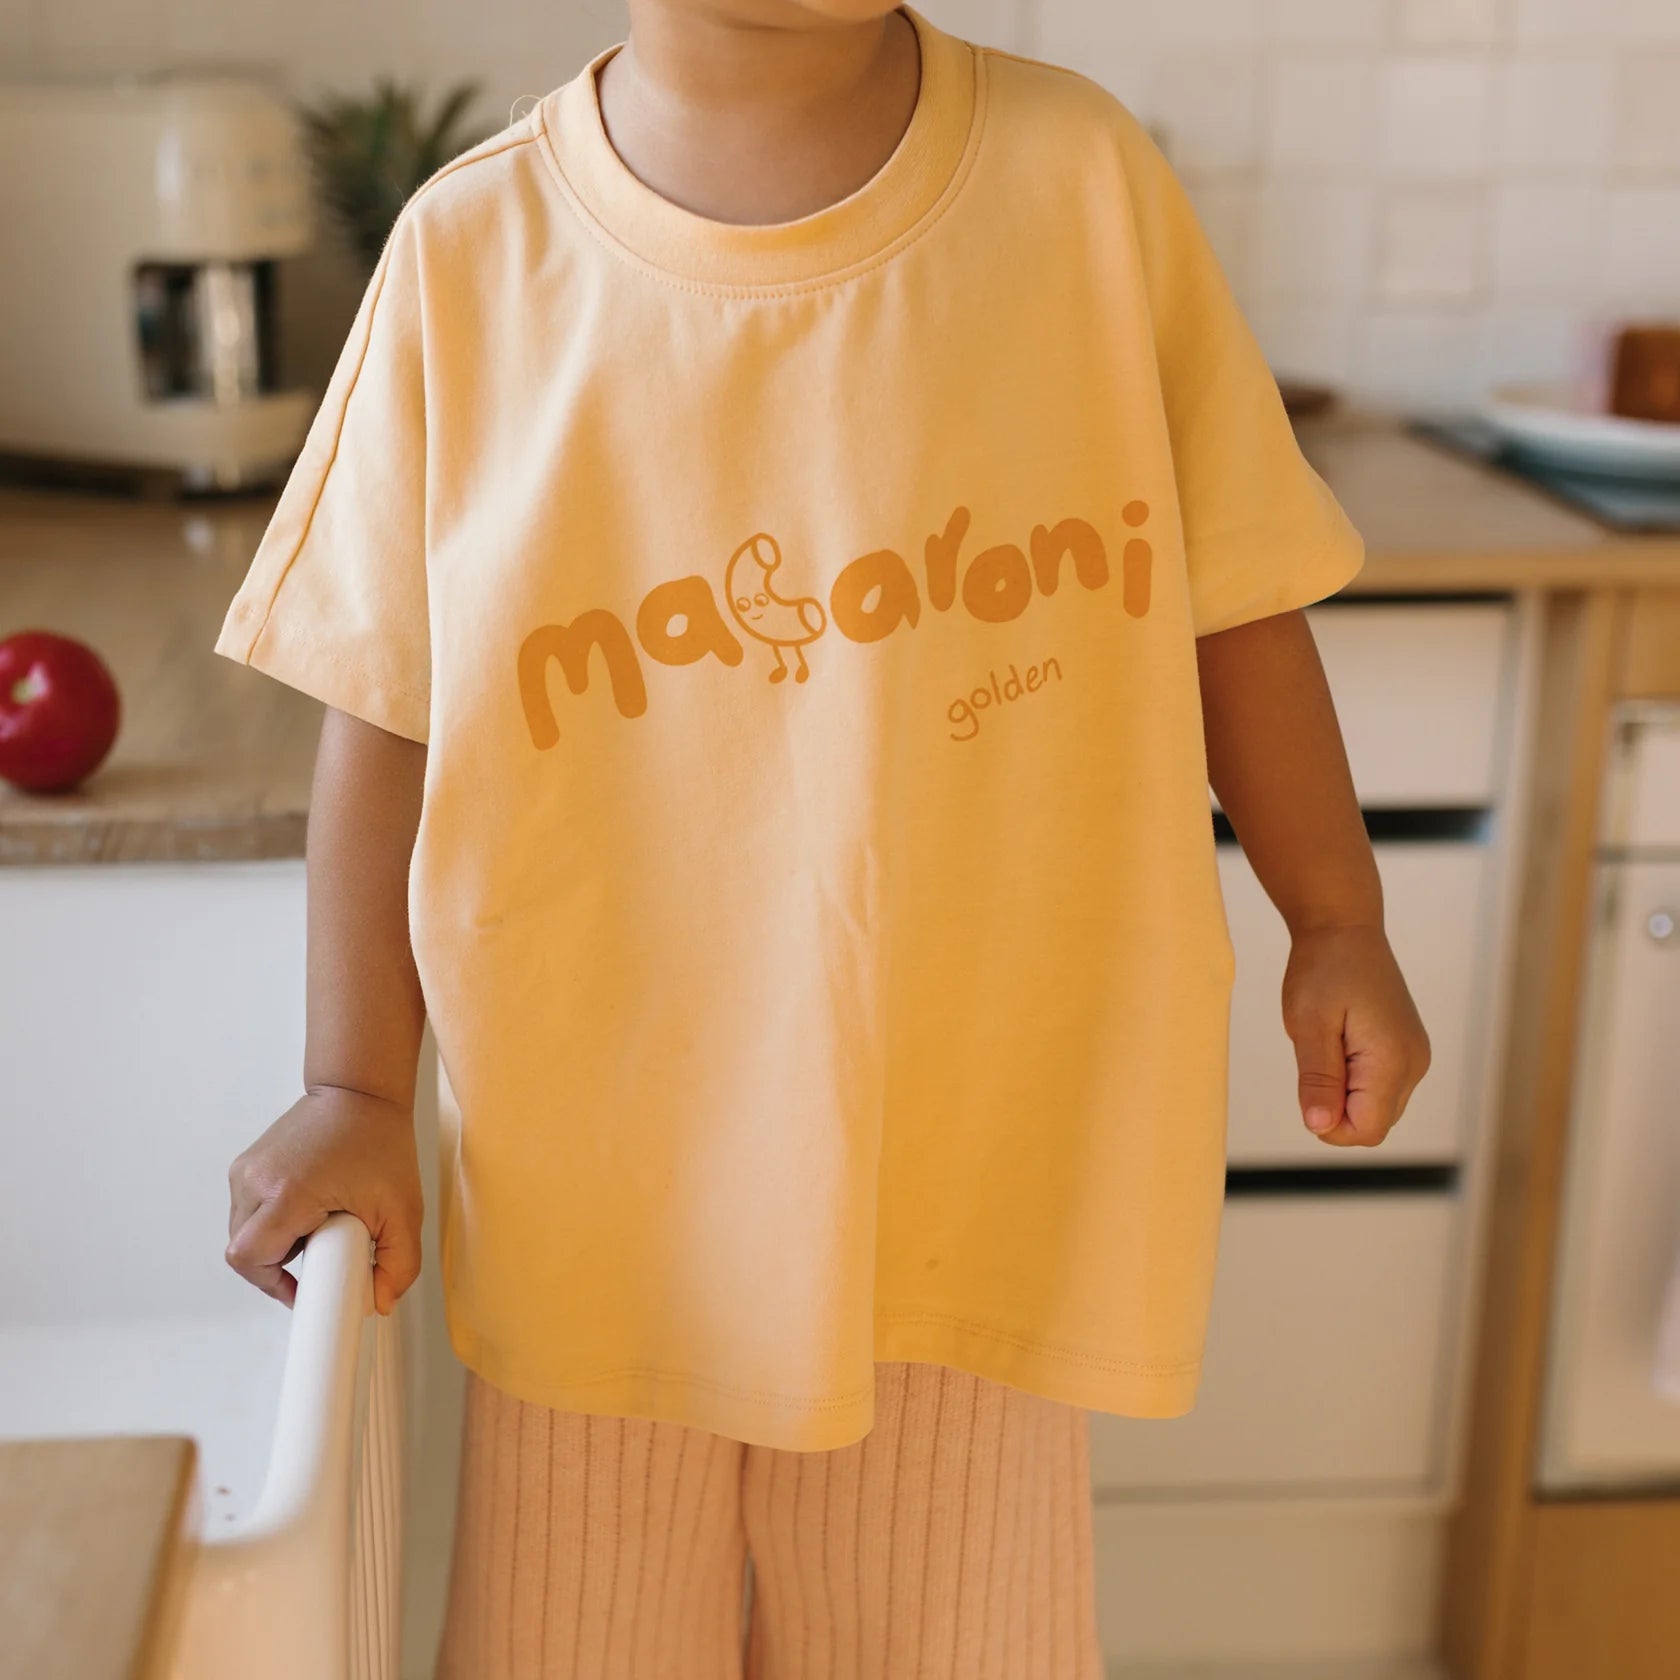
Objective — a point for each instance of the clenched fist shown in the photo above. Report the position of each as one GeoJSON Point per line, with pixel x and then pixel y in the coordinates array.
{"type": "Point", "coordinates": [1359, 1045]}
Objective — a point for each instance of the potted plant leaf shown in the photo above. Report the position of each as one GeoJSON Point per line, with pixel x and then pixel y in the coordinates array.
{"type": "Point", "coordinates": [368, 155]}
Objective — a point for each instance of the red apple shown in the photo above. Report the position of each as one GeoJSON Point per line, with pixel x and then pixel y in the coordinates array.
{"type": "Point", "coordinates": [59, 711]}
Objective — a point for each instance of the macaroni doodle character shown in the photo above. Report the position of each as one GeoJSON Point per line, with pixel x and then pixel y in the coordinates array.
{"type": "Point", "coordinates": [777, 620]}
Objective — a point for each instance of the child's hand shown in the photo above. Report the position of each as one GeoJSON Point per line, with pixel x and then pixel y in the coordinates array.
{"type": "Point", "coordinates": [1359, 1044]}
{"type": "Point", "coordinates": [335, 1151]}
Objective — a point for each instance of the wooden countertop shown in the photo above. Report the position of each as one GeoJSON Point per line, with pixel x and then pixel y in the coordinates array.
{"type": "Point", "coordinates": [95, 1550]}
{"type": "Point", "coordinates": [1436, 521]}
{"type": "Point", "coordinates": [214, 761]}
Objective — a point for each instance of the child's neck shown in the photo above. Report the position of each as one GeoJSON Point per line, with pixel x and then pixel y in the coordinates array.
{"type": "Point", "coordinates": [752, 124]}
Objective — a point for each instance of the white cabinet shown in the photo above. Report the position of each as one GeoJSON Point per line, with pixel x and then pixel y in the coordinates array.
{"type": "Point", "coordinates": [1422, 692]}
{"type": "Point", "coordinates": [1605, 1425]}
{"type": "Point", "coordinates": [1434, 897]}
{"type": "Point", "coordinates": [1324, 1352]}
{"type": "Point", "coordinates": [1334, 1350]}
{"type": "Point", "coordinates": [153, 1026]}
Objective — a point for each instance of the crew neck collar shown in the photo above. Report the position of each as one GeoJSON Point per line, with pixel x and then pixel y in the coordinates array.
{"type": "Point", "coordinates": [855, 232]}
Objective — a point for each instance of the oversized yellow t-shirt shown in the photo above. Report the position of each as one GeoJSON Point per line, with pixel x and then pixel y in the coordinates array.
{"type": "Point", "coordinates": [815, 893]}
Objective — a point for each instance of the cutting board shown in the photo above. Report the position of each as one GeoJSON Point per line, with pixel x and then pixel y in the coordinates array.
{"type": "Point", "coordinates": [95, 1551]}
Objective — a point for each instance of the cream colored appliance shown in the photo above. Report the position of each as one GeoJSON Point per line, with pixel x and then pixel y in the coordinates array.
{"type": "Point", "coordinates": [144, 221]}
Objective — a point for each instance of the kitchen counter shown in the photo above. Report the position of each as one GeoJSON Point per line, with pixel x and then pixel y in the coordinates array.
{"type": "Point", "coordinates": [95, 1550]}
{"type": "Point", "coordinates": [1434, 521]}
{"type": "Point", "coordinates": [213, 762]}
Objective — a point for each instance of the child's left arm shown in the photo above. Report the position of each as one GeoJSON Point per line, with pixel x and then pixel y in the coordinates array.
{"type": "Point", "coordinates": [1277, 762]}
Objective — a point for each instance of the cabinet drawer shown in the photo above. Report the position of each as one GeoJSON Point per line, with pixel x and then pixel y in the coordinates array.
{"type": "Point", "coordinates": [1323, 1356]}
{"type": "Point", "coordinates": [1420, 694]}
{"type": "Point", "coordinates": [1433, 894]}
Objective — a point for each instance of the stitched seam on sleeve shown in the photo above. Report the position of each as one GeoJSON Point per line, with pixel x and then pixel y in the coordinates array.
{"type": "Point", "coordinates": [1035, 63]}
{"type": "Point", "coordinates": [1305, 570]}
{"type": "Point", "coordinates": [332, 457]}
{"type": "Point", "coordinates": [355, 377]}
{"type": "Point", "coordinates": [466, 162]}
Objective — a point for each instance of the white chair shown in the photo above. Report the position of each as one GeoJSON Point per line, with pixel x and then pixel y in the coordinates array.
{"type": "Point", "coordinates": [308, 1586]}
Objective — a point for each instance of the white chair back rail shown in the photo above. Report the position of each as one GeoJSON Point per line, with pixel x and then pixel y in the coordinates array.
{"type": "Point", "coordinates": [308, 1587]}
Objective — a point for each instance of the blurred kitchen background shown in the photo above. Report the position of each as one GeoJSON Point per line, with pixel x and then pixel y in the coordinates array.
{"type": "Point", "coordinates": [1439, 1431]}
{"type": "Point", "coordinates": [1415, 198]}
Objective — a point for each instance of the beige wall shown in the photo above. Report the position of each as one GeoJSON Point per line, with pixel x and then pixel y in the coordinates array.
{"type": "Point", "coordinates": [1414, 197]}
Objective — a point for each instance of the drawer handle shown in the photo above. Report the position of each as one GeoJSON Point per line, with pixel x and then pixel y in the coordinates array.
{"type": "Point", "coordinates": [1662, 926]}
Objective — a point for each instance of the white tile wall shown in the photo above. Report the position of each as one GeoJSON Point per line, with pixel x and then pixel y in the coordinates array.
{"type": "Point", "coordinates": [1210, 103]}
{"type": "Point", "coordinates": [91, 36]}
{"type": "Point", "coordinates": [1543, 341]}
{"type": "Point", "coordinates": [1447, 194]}
{"type": "Point", "coordinates": [1314, 239]}
{"type": "Point", "coordinates": [1448, 22]}
{"type": "Point", "coordinates": [1321, 113]}
{"type": "Point", "coordinates": [1649, 20]}
{"type": "Point", "coordinates": [1648, 106]}
{"type": "Point", "coordinates": [1642, 253]}
{"type": "Point", "coordinates": [1564, 20]}
{"type": "Point", "coordinates": [1436, 117]}
{"type": "Point", "coordinates": [1414, 198]}
{"type": "Point", "coordinates": [1416, 357]}
{"type": "Point", "coordinates": [1315, 338]}
{"type": "Point", "coordinates": [1554, 114]}
{"type": "Point", "coordinates": [18, 51]}
{"type": "Point", "coordinates": [1548, 238]}
{"type": "Point", "coordinates": [1432, 245]}
{"type": "Point", "coordinates": [1229, 216]}
{"type": "Point", "coordinates": [211, 31]}
{"type": "Point", "coordinates": [1326, 22]}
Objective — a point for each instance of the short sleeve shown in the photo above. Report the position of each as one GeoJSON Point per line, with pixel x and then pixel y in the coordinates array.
{"type": "Point", "coordinates": [1263, 534]}
{"type": "Point", "coordinates": [335, 600]}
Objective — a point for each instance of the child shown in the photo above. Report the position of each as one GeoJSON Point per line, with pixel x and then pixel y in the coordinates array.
{"type": "Point", "coordinates": [797, 525]}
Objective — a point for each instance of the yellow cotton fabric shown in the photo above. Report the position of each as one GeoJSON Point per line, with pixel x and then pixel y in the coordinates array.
{"type": "Point", "coordinates": [815, 893]}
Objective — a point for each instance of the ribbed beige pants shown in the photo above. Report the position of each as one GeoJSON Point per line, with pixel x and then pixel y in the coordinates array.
{"type": "Point", "coordinates": [952, 1543]}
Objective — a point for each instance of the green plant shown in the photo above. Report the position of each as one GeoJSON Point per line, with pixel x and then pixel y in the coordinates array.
{"type": "Point", "coordinates": [368, 155]}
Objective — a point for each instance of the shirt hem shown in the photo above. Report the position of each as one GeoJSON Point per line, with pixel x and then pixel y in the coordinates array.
{"type": "Point", "coordinates": [300, 662]}
{"type": "Point", "coordinates": [1332, 567]}
{"type": "Point", "coordinates": [1140, 1389]}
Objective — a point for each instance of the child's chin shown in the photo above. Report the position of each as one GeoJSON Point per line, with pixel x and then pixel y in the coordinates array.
{"type": "Point", "coordinates": [850, 11]}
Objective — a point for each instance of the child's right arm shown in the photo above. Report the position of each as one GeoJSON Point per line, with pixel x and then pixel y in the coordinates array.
{"type": "Point", "coordinates": [348, 1145]}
